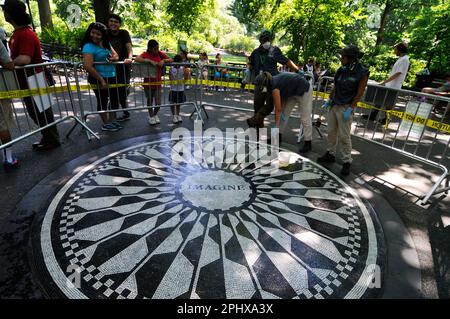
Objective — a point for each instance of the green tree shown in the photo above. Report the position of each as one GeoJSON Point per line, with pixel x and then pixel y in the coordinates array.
{"type": "Point", "coordinates": [430, 36]}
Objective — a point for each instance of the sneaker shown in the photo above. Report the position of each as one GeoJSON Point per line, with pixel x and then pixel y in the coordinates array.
{"type": "Point", "coordinates": [175, 119]}
{"type": "Point", "coordinates": [7, 164]}
{"type": "Point", "coordinates": [117, 125]}
{"type": "Point", "coordinates": [43, 146]}
{"type": "Point", "coordinates": [152, 120]}
{"type": "Point", "coordinates": [110, 127]}
{"type": "Point", "coordinates": [307, 146]}
{"type": "Point", "coordinates": [123, 118]}
{"type": "Point", "coordinates": [157, 121]}
{"type": "Point", "coordinates": [326, 158]}
{"type": "Point", "coordinates": [345, 169]}
{"type": "Point", "coordinates": [180, 119]}
{"type": "Point", "coordinates": [255, 122]}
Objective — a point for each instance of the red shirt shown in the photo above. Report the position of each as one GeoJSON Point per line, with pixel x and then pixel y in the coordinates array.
{"type": "Point", "coordinates": [24, 41]}
{"type": "Point", "coordinates": [157, 58]}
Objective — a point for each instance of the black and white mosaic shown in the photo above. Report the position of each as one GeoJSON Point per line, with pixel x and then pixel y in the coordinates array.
{"type": "Point", "coordinates": [152, 221]}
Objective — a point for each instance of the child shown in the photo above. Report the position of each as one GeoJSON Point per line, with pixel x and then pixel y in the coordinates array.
{"type": "Point", "coordinates": [177, 75]}
{"type": "Point", "coordinates": [202, 65]}
{"type": "Point", "coordinates": [221, 73]}
{"type": "Point", "coordinates": [203, 68]}
{"type": "Point", "coordinates": [153, 90]}
{"type": "Point", "coordinates": [185, 59]}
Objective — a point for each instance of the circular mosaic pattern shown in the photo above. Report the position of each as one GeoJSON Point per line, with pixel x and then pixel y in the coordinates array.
{"type": "Point", "coordinates": [163, 220]}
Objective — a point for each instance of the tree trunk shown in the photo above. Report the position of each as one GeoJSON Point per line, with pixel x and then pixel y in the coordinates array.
{"type": "Point", "coordinates": [102, 10]}
{"type": "Point", "coordinates": [387, 10]}
{"type": "Point", "coordinates": [45, 14]}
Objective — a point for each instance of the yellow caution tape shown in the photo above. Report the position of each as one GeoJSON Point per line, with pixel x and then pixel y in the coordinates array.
{"type": "Point", "coordinates": [443, 127]}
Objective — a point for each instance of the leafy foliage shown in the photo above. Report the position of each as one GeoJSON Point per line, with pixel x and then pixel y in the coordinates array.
{"type": "Point", "coordinates": [303, 28]}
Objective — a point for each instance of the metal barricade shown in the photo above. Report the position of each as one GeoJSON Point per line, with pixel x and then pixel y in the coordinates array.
{"type": "Point", "coordinates": [222, 86]}
{"type": "Point", "coordinates": [414, 124]}
{"type": "Point", "coordinates": [35, 98]}
{"type": "Point", "coordinates": [228, 87]}
{"type": "Point", "coordinates": [132, 89]}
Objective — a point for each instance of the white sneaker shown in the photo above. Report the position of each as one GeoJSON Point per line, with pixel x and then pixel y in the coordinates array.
{"type": "Point", "coordinates": [175, 119]}
{"type": "Point", "coordinates": [152, 120]}
{"type": "Point", "coordinates": [180, 119]}
{"type": "Point", "coordinates": [157, 121]}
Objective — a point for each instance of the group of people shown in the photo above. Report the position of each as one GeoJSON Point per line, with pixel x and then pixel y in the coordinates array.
{"type": "Point", "coordinates": [274, 90]}
{"type": "Point", "coordinates": [102, 45]}
{"type": "Point", "coordinates": [281, 92]}
{"type": "Point", "coordinates": [24, 49]}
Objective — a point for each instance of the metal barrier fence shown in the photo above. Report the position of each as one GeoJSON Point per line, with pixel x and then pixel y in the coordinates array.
{"type": "Point", "coordinates": [413, 127]}
{"type": "Point", "coordinates": [405, 121]}
{"type": "Point", "coordinates": [35, 98]}
{"type": "Point", "coordinates": [133, 88]}
{"type": "Point", "coordinates": [222, 86]}
{"type": "Point", "coordinates": [231, 87]}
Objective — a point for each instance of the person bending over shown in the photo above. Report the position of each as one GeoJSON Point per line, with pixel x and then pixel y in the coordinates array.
{"type": "Point", "coordinates": [283, 92]}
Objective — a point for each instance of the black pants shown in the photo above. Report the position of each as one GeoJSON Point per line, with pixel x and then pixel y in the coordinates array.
{"type": "Point", "coordinates": [104, 96]}
{"type": "Point", "coordinates": [262, 109]}
{"type": "Point", "coordinates": [123, 74]}
{"type": "Point", "coordinates": [49, 135]}
{"type": "Point", "coordinates": [381, 98]}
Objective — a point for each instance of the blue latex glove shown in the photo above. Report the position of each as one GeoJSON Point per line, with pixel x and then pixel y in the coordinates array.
{"type": "Point", "coordinates": [326, 106]}
{"type": "Point", "coordinates": [282, 117]}
{"type": "Point", "coordinates": [347, 113]}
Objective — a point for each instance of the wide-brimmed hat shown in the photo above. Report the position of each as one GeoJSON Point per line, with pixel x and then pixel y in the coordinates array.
{"type": "Point", "coordinates": [351, 51]}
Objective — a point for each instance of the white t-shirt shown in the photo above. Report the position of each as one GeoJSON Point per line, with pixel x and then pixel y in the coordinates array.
{"type": "Point", "coordinates": [402, 65]}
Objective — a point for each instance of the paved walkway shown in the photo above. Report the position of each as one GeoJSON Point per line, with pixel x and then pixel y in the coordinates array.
{"type": "Point", "coordinates": [382, 182]}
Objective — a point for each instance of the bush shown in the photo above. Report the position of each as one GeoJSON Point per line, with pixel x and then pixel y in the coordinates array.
{"type": "Point", "coordinates": [167, 42]}
{"type": "Point", "coordinates": [241, 43]}
{"type": "Point", "coordinates": [61, 35]}
{"type": "Point", "coordinates": [199, 45]}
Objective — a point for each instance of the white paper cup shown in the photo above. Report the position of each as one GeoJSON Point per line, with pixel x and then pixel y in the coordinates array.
{"type": "Point", "coordinates": [284, 158]}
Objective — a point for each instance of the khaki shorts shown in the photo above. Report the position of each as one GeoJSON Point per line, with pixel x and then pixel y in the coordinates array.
{"type": "Point", "coordinates": [6, 115]}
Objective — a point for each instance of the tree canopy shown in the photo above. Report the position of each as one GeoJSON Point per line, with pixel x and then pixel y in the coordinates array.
{"type": "Point", "coordinates": [303, 28]}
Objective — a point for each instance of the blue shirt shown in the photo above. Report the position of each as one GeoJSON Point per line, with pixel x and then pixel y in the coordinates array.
{"type": "Point", "coordinates": [100, 55]}
{"type": "Point", "coordinates": [290, 84]}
